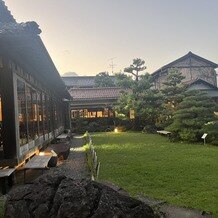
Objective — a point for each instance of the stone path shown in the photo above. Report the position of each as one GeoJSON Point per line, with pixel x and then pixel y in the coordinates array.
{"type": "Point", "coordinates": [172, 211]}
{"type": "Point", "coordinates": [76, 164]}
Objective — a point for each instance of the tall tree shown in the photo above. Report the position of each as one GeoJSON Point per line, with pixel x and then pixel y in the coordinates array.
{"type": "Point", "coordinates": [103, 79]}
{"type": "Point", "coordinates": [149, 108]}
{"type": "Point", "coordinates": [145, 101]}
{"type": "Point", "coordinates": [135, 68]}
{"type": "Point", "coordinates": [174, 88]}
{"type": "Point", "coordinates": [173, 92]}
{"type": "Point", "coordinates": [124, 81]}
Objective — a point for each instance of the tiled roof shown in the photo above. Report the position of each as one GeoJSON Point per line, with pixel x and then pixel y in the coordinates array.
{"type": "Point", "coordinates": [21, 43]}
{"type": "Point", "coordinates": [80, 81]}
{"type": "Point", "coordinates": [19, 28]}
{"type": "Point", "coordinates": [96, 93]}
{"type": "Point", "coordinates": [9, 26]}
{"type": "Point", "coordinates": [5, 14]}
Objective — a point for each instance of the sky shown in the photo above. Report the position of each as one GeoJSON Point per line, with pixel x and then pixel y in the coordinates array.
{"type": "Point", "coordinates": [83, 36]}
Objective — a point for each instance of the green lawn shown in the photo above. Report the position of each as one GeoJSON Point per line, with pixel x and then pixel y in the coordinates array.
{"type": "Point", "coordinates": [180, 173]}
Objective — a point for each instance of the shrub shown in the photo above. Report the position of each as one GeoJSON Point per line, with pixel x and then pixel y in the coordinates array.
{"type": "Point", "coordinates": [212, 130]}
{"type": "Point", "coordinates": [188, 135]}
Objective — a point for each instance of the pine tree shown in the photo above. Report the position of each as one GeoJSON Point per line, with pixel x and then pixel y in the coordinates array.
{"type": "Point", "coordinates": [103, 79]}
{"type": "Point", "coordinates": [196, 110]}
{"type": "Point", "coordinates": [135, 68]}
{"type": "Point", "coordinates": [173, 92]}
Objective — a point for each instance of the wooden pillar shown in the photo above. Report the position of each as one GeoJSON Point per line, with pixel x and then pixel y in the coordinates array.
{"type": "Point", "coordinates": [8, 112]}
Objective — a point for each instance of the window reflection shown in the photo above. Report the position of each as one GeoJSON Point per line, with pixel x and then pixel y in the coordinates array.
{"type": "Point", "coordinates": [49, 109]}
{"type": "Point", "coordinates": [22, 112]}
{"type": "Point", "coordinates": [45, 113]}
{"type": "Point", "coordinates": [40, 109]}
{"type": "Point", "coordinates": [35, 114]}
{"type": "Point", "coordinates": [32, 113]}
{"type": "Point", "coordinates": [39, 113]}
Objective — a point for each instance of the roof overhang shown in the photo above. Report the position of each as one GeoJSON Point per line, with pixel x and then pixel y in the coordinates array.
{"type": "Point", "coordinates": [29, 52]}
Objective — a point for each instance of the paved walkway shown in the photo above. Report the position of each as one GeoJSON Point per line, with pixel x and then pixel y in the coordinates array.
{"type": "Point", "coordinates": [76, 164]}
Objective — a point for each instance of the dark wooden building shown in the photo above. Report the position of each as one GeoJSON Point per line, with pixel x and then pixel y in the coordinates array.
{"type": "Point", "coordinates": [191, 66]}
{"type": "Point", "coordinates": [33, 98]}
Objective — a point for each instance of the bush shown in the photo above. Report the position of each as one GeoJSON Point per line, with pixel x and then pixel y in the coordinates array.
{"type": "Point", "coordinates": [149, 129]}
{"type": "Point", "coordinates": [212, 130]}
{"type": "Point", "coordinates": [188, 135]}
{"type": "Point", "coordinates": [81, 125]}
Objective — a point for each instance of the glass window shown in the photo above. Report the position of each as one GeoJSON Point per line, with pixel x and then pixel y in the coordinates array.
{"type": "Point", "coordinates": [29, 113]}
{"type": "Point", "coordinates": [35, 113]}
{"type": "Point", "coordinates": [61, 121]}
{"type": "Point", "coordinates": [106, 112]}
{"type": "Point", "coordinates": [40, 109]}
{"type": "Point", "coordinates": [45, 113]}
{"type": "Point", "coordinates": [32, 113]}
{"type": "Point", "coordinates": [49, 113]}
{"type": "Point", "coordinates": [55, 115]}
{"type": "Point", "coordinates": [22, 112]}
{"type": "Point", "coordinates": [99, 114]}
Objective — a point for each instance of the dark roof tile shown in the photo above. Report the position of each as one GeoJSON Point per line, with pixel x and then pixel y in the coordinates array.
{"type": "Point", "coordinates": [5, 14]}
{"type": "Point", "coordinates": [80, 81]}
{"type": "Point", "coordinates": [96, 93]}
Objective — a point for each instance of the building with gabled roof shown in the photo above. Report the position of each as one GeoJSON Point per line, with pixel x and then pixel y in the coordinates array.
{"type": "Point", "coordinates": [202, 85]}
{"type": "Point", "coordinates": [94, 102]}
{"type": "Point", "coordinates": [191, 66]}
{"type": "Point", "coordinates": [33, 97]}
{"type": "Point", "coordinates": [90, 101]}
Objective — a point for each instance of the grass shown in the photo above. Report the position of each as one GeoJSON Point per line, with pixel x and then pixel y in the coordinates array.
{"type": "Point", "coordinates": [182, 174]}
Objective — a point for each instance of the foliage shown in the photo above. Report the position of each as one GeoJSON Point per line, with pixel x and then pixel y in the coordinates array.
{"type": "Point", "coordinates": [211, 129]}
{"type": "Point", "coordinates": [136, 67]}
{"type": "Point", "coordinates": [173, 92]}
{"type": "Point", "coordinates": [103, 124]}
{"type": "Point", "coordinates": [124, 104]}
{"type": "Point", "coordinates": [145, 101]}
{"type": "Point", "coordinates": [103, 79]}
{"type": "Point", "coordinates": [149, 107]}
{"type": "Point", "coordinates": [123, 81]}
{"type": "Point", "coordinates": [193, 113]}
{"type": "Point", "coordinates": [179, 173]}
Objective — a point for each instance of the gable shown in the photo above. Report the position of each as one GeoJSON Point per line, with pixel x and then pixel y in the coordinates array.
{"type": "Point", "coordinates": [191, 62]}
{"type": "Point", "coordinates": [202, 85]}
{"type": "Point", "coordinates": [199, 86]}
{"type": "Point", "coordinates": [186, 61]}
